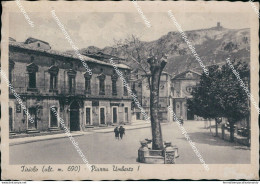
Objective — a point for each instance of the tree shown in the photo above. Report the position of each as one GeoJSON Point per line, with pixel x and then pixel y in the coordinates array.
{"type": "Point", "coordinates": [151, 61]}
{"type": "Point", "coordinates": [234, 99]}
{"type": "Point", "coordinates": [220, 95]}
{"type": "Point", "coordinates": [206, 96]}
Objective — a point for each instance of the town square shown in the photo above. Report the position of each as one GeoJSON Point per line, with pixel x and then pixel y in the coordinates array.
{"type": "Point", "coordinates": [129, 90]}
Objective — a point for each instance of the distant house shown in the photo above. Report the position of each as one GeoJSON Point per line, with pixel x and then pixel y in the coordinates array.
{"type": "Point", "coordinates": [182, 86]}
{"type": "Point", "coordinates": [140, 87]}
{"type": "Point", "coordinates": [37, 44]}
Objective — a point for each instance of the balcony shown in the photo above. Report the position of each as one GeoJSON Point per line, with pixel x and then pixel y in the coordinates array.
{"type": "Point", "coordinates": [79, 90]}
{"type": "Point", "coordinates": [39, 90]}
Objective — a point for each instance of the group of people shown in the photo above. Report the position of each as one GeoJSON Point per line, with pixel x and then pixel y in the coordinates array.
{"type": "Point", "coordinates": [119, 132]}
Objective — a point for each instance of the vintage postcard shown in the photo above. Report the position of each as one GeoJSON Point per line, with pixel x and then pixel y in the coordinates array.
{"type": "Point", "coordinates": [129, 90]}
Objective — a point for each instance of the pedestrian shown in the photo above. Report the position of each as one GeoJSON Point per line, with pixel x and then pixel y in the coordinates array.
{"type": "Point", "coordinates": [116, 130]}
{"type": "Point", "coordinates": [181, 120]}
{"type": "Point", "coordinates": [121, 132]}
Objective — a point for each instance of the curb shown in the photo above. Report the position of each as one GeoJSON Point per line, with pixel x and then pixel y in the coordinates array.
{"type": "Point", "coordinates": [29, 141]}
{"type": "Point", "coordinates": [127, 128]}
{"type": "Point", "coordinates": [51, 138]}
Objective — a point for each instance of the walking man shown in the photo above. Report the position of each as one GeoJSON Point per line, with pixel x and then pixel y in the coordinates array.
{"type": "Point", "coordinates": [121, 132]}
{"type": "Point", "coordinates": [116, 130]}
{"type": "Point", "coordinates": [181, 121]}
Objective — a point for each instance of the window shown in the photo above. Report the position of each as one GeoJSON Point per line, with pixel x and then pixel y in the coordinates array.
{"type": "Point", "coordinates": [38, 44]}
{"type": "Point", "coordinates": [32, 69]}
{"type": "Point", "coordinates": [114, 91]}
{"type": "Point", "coordinates": [101, 86]}
{"type": "Point", "coordinates": [71, 84]}
{"type": "Point", "coordinates": [87, 86]}
{"type": "Point", "coordinates": [87, 83]}
{"type": "Point", "coordinates": [53, 70]}
{"type": "Point", "coordinates": [102, 78]}
{"type": "Point", "coordinates": [189, 89]}
{"type": "Point", "coordinates": [32, 80]}
{"type": "Point", "coordinates": [124, 86]}
{"type": "Point", "coordinates": [125, 91]}
{"type": "Point", "coordinates": [71, 79]}
{"type": "Point", "coordinates": [53, 81]}
{"type": "Point", "coordinates": [114, 79]}
{"type": "Point", "coordinates": [53, 117]}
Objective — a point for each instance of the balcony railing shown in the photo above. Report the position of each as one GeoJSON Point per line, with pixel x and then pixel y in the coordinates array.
{"type": "Point", "coordinates": [67, 91]}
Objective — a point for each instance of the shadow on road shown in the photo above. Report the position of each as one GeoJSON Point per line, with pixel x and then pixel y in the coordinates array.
{"type": "Point", "coordinates": [208, 138]}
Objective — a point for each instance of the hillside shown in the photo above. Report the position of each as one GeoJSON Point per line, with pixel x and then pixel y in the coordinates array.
{"type": "Point", "coordinates": [213, 45]}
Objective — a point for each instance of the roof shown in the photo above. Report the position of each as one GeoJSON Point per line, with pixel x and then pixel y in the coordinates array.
{"type": "Point", "coordinates": [101, 55]}
{"type": "Point", "coordinates": [176, 76]}
{"type": "Point", "coordinates": [62, 54]}
{"type": "Point", "coordinates": [31, 40]}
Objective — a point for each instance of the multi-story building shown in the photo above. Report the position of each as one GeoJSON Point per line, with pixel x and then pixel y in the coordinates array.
{"type": "Point", "coordinates": [45, 78]}
{"type": "Point", "coordinates": [182, 86]}
{"type": "Point", "coordinates": [141, 88]}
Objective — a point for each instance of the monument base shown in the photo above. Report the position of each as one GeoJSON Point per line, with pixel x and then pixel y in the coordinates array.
{"type": "Point", "coordinates": [165, 156]}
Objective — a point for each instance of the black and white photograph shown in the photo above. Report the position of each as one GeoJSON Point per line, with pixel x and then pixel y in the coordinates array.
{"type": "Point", "coordinates": [118, 90]}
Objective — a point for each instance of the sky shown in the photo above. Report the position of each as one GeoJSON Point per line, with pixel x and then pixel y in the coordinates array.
{"type": "Point", "coordinates": [101, 29]}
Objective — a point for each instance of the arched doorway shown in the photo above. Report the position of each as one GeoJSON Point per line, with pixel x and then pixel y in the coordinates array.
{"type": "Point", "coordinates": [74, 116]}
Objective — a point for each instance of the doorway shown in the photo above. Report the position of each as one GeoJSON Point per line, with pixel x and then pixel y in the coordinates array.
{"type": "Point", "coordinates": [102, 116]}
{"type": "Point", "coordinates": [32, 124]}
{"type": "Point", "coordinates": [88, 116]}
{"type": "Point", "coordinates": [53, 117]}
{"type": "Point", "coordinates": [190, 115]}
{"type": "Point", "coordinates": [114, 114]}
{"type": "Point", "coordinates": [74, 116]}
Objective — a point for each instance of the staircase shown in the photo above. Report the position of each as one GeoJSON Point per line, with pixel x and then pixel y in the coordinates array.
{"type": "Point", "coordinates": [32, 131]}
{"type": "Point", "coordinates": [54, 129]}
{"type": "Point", "coordinates": [89, 126]}
{"type": "Point", "coordinates": [12, 133]}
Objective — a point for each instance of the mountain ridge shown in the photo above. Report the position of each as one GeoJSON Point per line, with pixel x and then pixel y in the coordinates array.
{"type": "Point", "coordinates": [213, 46]}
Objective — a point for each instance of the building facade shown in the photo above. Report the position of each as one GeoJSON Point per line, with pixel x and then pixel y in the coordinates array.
{"type": "Point", "coordinates": [45, 78]}
{"type": "Point", "coordinates": [141, 88]}
{"type": "Point", "coordinates": [182, 86]}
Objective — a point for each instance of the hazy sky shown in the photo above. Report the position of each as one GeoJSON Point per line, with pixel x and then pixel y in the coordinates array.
{"type": "Point", "coordinates": [100, 29]}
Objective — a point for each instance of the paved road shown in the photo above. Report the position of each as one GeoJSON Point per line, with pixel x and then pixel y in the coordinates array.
{"type": "Point", "coordinates": [102, 148]}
